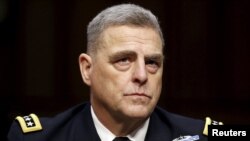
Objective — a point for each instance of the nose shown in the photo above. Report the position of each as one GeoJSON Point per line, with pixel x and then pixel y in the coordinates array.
{"type": "Point", "coordinates": [140, 75]}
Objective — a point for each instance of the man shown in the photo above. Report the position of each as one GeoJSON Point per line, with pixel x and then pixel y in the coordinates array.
{"type": "Point", "coordinates": [123, 67]}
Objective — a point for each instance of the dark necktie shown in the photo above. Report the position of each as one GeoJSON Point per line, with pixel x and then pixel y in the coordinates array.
{"type": "Point", "coordinates": [121, 139]}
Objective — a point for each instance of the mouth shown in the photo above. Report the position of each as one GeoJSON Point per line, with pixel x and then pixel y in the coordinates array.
{"type": "Point", "coordinates": [139, 95]}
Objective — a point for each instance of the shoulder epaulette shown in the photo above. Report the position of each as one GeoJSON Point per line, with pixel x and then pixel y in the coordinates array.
{"type": "Point", "coordinates": [29, 123]}
{"type": "Point", "coordinates": [210, 122]}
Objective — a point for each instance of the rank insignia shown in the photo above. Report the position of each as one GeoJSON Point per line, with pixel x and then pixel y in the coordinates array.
{"type": "Point", "coordinates": [210, 122]}
{"type": "Point", "coordinates": [187, 138]}
{"type": "Point", "coordinates": [29, 123]}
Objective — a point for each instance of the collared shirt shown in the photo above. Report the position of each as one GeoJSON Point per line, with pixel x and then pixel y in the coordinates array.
{"type": "Point", "coordinates": [105, 135]}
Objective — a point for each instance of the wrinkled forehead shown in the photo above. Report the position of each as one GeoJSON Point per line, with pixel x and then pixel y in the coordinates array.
{"type": "Point", "coordinates": [123, 39]}
{"type": "Point", "coordinates": [131, 34]}
{"type": "Point", "coordinates": [130, 27]}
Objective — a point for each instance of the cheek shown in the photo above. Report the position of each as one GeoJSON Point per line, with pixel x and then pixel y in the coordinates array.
{"type": "Point", "coordinates": [156, 84]}
{"type": "Point", "coordinates": [108, 80]}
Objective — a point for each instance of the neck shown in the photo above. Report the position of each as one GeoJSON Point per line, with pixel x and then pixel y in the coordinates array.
{"type": "Point", "coordinates": [118, 125]}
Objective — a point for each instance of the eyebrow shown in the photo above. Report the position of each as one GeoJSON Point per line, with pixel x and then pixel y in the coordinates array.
{"type": "Point", "coordinates": [119, 55]}
{"type": "Point", "coordinates": [158, 57]}
{"type": "Point", "coordinates": [127, 53]}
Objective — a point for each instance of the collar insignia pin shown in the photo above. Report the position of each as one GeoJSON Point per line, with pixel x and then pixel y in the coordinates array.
{"type": "Point", "coordinates": [187, 138]}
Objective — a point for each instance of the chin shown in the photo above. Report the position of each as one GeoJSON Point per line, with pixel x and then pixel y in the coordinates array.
{"type": "Point", "coordinates": [140, 113]}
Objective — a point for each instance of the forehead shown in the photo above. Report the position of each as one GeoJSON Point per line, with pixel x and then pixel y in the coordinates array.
{"type": "Point", "coordinates": [131, 37]}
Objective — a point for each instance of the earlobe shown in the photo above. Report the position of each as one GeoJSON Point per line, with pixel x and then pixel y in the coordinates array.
{"type": "Point", "coordinates": [85, 63]}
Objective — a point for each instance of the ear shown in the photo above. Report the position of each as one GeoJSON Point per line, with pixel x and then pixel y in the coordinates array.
{"type": "Point", "coordinates": [85, 63]}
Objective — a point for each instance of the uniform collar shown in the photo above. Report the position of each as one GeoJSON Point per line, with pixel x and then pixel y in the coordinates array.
{"type": "Point", "coordinates": [105, 135]}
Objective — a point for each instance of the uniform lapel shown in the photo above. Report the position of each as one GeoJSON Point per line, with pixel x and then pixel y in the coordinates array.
{"type": "Point", "coordinates": [84, 127]}
{"type": "Point", "coordinates": [157, 131]}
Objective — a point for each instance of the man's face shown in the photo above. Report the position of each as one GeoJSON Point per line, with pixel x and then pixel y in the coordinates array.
{"type": "Point", "coordinates": [126, 75]}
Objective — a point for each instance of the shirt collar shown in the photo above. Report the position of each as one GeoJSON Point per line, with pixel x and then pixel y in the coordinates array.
{"type": "Point", "coordinates": [105, 135]}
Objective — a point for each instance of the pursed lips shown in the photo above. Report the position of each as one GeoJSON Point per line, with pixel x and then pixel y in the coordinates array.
{"type": "Point", "coordinates": [138, 94]}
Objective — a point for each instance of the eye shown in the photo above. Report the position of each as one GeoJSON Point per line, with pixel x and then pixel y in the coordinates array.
{"type": "Point", "coordinates": [123, 61]}
{"type": "Point", "coordinates": [152, 65]}
{"type": "Point", "coordinates": [123, 64]}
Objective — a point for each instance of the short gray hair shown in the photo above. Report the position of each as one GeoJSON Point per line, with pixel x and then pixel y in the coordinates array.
{"type": "Point", "coordinates": [123, 14]}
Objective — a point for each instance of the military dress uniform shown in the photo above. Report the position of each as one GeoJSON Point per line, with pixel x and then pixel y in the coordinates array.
{"type": "Point", "coordinates": [76, 124]}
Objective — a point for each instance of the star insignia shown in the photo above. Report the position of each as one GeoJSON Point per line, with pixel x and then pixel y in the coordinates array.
{"type": "Point", "coordinates": [26, 118]}
{"type": "Point", "coordinates": [209, 121]}
{"type": "Point", "coordinates": [29, 123]}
